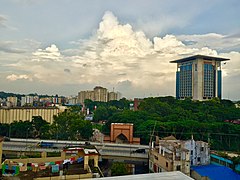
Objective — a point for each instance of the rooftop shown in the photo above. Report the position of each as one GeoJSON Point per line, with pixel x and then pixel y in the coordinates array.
{"type": "Point", "coordinates": [216, 172]}
{"type": "Point", "coordinates": [153, 176]}
{"type": "Point", "coordinates": [210, 58]}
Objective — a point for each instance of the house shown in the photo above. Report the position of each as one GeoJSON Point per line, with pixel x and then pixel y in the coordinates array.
{"type": "Point", "coordinates": [170, 154]}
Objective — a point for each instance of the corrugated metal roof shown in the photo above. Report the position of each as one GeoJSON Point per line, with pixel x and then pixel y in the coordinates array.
{"type": "Point", "coordinates": [215, 172]}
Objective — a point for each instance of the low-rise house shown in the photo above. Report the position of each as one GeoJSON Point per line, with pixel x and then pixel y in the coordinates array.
{"type": "Point", "coordinates": [170, 154]}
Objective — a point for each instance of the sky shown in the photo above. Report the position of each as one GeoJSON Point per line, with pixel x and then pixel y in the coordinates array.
{"type": "Point", "coordinates": [66, 46]}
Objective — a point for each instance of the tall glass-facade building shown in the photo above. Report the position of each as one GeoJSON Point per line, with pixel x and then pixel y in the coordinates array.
{"type": "Point", "coordinates": [199, 77]}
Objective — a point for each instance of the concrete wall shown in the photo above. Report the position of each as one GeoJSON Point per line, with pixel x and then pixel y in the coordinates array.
{"type": "Point", "coordinates": [70, 177]}
{"type": "Point", "coordinates": [197, 176]}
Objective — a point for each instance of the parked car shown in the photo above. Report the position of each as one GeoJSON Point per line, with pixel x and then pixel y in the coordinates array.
{"type": "Point", "coordinates": [5, 138]}
{"type": "Point", "coordinates": [139, 151]}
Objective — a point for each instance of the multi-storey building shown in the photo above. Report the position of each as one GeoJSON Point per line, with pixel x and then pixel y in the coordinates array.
{"type": "Point", "coordinates": [113, 96]}
{"type": "Point", "coordinates": [199, 77]}
{"type": "Point", "coordinates": [171, 154]}
{"type": "Point", "coordinates": [98, 94]}
{"type": "Point", "coordinates": [11, 101]}
{"type": "Point", "coordinates": [83, 95]}
{"type": "Point", "coordinates": [9, 115]}
{"type": "Point", "coordinates": [199, 152]}
{"type": "Point", "coordinates": [72, 100]}
{"type": "Point", "coordinates": [27, 100]}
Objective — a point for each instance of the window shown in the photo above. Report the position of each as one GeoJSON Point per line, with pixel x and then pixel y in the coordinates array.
{"type": "Point", "coordinates": [191, 152]}
{"type": "Point", "coordinates": [199, 159]}
{"type": "Point", "coordinates": [195, 67]}
{"type": "Point", "coordinates": [202, 148]}
{"type": "Point", "coordinates": [178, 168]}
{"type": "Point", "coordinates": [166, 164]}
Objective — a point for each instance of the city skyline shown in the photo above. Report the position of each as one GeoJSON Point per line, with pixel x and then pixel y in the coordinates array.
{"type": "Point", "coordinates": [49, 47]}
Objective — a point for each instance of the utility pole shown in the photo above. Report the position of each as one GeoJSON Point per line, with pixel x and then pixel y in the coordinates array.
{"type": "Point", "coordinates": [151, 135]}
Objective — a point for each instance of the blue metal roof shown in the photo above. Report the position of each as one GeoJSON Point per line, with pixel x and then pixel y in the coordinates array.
{"type": "Point", "coordinates": [215, 172]}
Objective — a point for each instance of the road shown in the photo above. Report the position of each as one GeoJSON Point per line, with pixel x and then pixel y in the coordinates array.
{"type": "Point", "coordinates": [108, 150]}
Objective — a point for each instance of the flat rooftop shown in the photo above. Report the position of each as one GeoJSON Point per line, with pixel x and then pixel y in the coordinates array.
{"type": "Point", "coordinates": [210, 58]}
{"type": "Point", "coordinates": [177, 175]}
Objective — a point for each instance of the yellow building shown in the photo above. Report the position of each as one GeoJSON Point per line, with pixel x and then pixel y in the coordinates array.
{"type": "Point", "coordinates": [8, 115]}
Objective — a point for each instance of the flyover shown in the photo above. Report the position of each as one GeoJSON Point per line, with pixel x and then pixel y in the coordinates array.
{"type": "Point", "coordinates": [107, 150]}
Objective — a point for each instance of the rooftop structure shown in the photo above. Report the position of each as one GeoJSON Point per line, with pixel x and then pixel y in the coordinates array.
{"type": "Point", "coordinates": [199, 77]}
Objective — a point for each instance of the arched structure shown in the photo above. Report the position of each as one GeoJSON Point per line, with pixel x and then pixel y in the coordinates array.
{"type": "Point", "coordinates": [122, 133]}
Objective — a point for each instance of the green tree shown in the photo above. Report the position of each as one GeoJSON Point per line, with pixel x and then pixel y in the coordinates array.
{"type": "Point", "coordinates": [119, 169]}
{"type": "Point", "coordinates": [40, 127]}
{"type": "Point", "coordinates": [21, 129]}
{"type": "Point", "coordinates": [71, 125]}
{"type": "Point", "coordinates": [101, 113]}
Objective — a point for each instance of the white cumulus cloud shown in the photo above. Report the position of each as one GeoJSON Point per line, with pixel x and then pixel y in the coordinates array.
{"type": "Point", "coordinates": [14, 77]}
{"type": "Point", "coordinates": [51, 53]}
{"type": "Point", "coordinates": [117, 55]}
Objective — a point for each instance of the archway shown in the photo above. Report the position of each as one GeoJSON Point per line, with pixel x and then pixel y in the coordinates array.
{"type": "Point", "coordinates": [122, 139]}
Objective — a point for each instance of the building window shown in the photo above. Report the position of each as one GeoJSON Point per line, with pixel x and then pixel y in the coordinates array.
{"type": "Point", "coordinates": [199, 159]}
{"type": "Point", "coordinates": [178, 168]}
{"type": "Point", "coordinates": [202, 148]}
{"type": "Point", "coordinates": [195, 67]}
{"type": "Point", "coordinates": [191, 152]}
{"type": "Point", "coordinates": [166, 164]}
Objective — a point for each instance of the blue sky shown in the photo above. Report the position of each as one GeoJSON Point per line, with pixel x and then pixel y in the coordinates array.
{"type": "Point", "coordinates": [64, 46]}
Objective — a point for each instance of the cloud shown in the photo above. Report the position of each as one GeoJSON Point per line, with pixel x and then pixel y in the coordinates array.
{"type": "Point", "coordinates": [49, 54]}
{"type": "Point", "coordinates": [7, 47]}
{"type": "Point", "coordinates": [14, 77]}
{"type": "Point", "coordinates": [19, 47]}
{"type": "Point", "coordinates": [117, 55]}
{"type": "Point", "coordinates": [3, 19]}
{"type": "Point", "coordinates": [219, 42]}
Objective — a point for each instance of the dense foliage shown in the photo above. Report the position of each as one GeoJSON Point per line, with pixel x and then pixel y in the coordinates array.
{"type": "Point", "coordinates": [119, 169]}
{"type": "Point", "coordinates": [183, 118]}
{"type": "Point", "coordinates": [162, 116]}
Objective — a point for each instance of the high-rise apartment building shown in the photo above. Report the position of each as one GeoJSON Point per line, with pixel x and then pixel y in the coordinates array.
{"type": "Point", "coordinates": [98, 94]}
{"type": "Point", "coordinates": [112, 96]}
{"type": "Point", "coordinates": [82, 95]}
{"type": "Point", "coordinates": [199, 77]}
